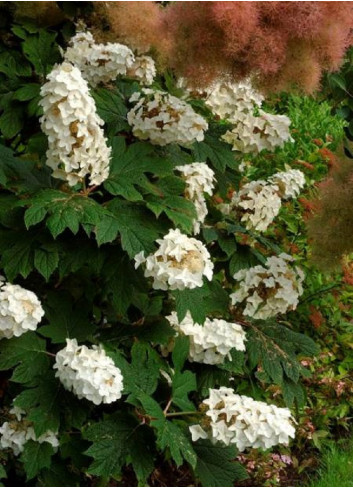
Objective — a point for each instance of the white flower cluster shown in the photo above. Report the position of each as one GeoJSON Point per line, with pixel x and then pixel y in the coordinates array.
{"type": "Point", "coordinates": [20, 310]}
{"type": "Point", "coordinates": [237, 102]}
{"type": "Point", "coordinates": [164, 119]}
{"type": "Point", "coordinates": [289, 183]}
{"type": "Point", "coordinates": [211, 342]}
{"type": "Point", "coordinates": [244, 422]}
{"type": "Point", "coordinates": [271, 289]}
{"type": "Point", "coordinates": [98, 62]}
{"type": "Point", "coordinates": [256, 204]}
{"type": "Point", "coordinates": [252, 134]}
{"type": "Point", "coordinates": [89, 373]}
{"type": "Point", "coordinates": [15, 433]}
{"type": "Point", "coordinates": [199, 180]}
{"type": "Point", "coordinates": [228, 100]}
{"type": "Point", "coordinates": [143, 69]}
{"type": "Point", "coordinates": [77, 146]}
{"type": "Point", "coordinates": [179, 263]}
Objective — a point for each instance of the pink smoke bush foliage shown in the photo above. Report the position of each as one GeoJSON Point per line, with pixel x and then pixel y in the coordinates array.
{"type": "Point", "coordinates": [285, 44]}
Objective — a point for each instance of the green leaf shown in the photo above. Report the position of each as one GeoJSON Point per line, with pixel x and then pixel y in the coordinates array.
{"type": "Point", "coordinates": [129, 167]}
{"type": "Point", "coordinates": [159, 332]}
{"type": "Point", "coordinates": [151, 407]}
{"type": "Point", "coordinates": [236, 364]}
{"type": "Point", "coordinates": [106, 230]}
{"type": "Point", "coordinates": [275, 348]}
{"type": "Point", "coordinates": [178, 209]}
{"type": "Point", "coordinates": [337, 80]}
{"type": "Point", "coordinates": [293, 393]}
{"type": "Point", "coordinates": [169, 434]}
{"type": "Point", "coordinates": [216, 466]}
{"type": "Point", "coordinates": [38, 144]}
{"type": "Point", "coordinates": [27, 355]}
{"type": "Point", "coordinates": [141, 375]}
{"type": "Point", "coordinates": [19, 31]}
{"type": "Point", "coordinates": [19, 258]}
{"type": "Point", "coordinates": [34, 215]}
{"type": "Point", "coordinates": [168, 185]}
{"type": "Point", "coordinates": [3, 474]}
{"type": "Point", "coordinates": [72, 448]}
{"type": "Point", "coordinates": [111, 108]}
{"type": "Point", "coordinates": [33, 108]}
{"type": "Point", "coordinates": [80, 254]}
{"type": "Point", "coordinates": [41, 50]}
{"type": "Point", "coordinates": [202, 301]}
{"type": "Point", "coordinates": [144, 369]}
{"type": "Point", "coordinates": [166, 195]}
{"type": "Point", "coordinates": [9, 212]}
{"type": "Point", "coordinates": [111, 444]}
{"type": "Point", "coordinates": [11, 121]}
{"type": "Point", "coordinates": [141, 451]}
{"type": "Point", "coordinates": [66, 319]}
{"type": "Point", "coordinates": [180, 352]}
{"type": "Point", "coordinates": [227, 244]}
{"type": "Point", "coordinates": [177, 155]}
{"type": "Point", "coordinates": [21, 175]}
{"type": "Point", "coordinates": [43, 403]}
{"type": "Point", "coordinates": [217, 152]}
{"type": "Point", "coordinates": [243, 258]}
{"type": "Point", "coordinates": [127, 87]}
{"type": "Point", "coordinates": [210, 234]}
{"type": "Point", "coordinates": [46, 261]}
{"type": "Point", "coordinates": [121, 287]}
{"type": "Point", "coordinates": [65, 210]}
{"type": "Point", "coordinates": [65, 217]}
{"type": "Point", "coordinates": [27, 92]}
{"type": "Point", "coordinates": [59, 474]}
{"type": "Point", "coordinates": [125, 169]}
{"type": "Point", "coordinates": [182, 384]}
{"type": "Point", "coordinates": [209, 377]}
{"type": "Point", "coordinates": [150, 306]}
{"type": "Point", "coordinates": [3, 175]}
{"type": "Point", "coordinates": [36, 456]}
{"type": "Point", "coordinates": [137, 228]}
{"type": "Point", "coordinates": [13, 64]}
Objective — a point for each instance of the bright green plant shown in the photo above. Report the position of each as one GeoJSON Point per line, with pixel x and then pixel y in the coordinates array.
{"type": "Point", "coordinates": [336, 468]}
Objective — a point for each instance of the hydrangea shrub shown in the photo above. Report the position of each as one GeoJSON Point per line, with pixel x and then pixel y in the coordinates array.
{"type": "Point", "coordinates": [128, 342]}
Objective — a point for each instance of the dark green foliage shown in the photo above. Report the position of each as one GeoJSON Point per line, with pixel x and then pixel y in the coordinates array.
{"type": "Point", "coordinates": [35, 457]}
{"type": "Point", "coordinates": [66, 319]}
{"type": "Point", "coordinates": [112, 440]}
{"type": "Point", "coordinates": [275, 348]}
{"type": "Point", "coordinates": [75, 247]}
{"type": "Point", "coordinates": [27, 355]}
{"type": "Point", "coordinates": [42, 404]}
{"type": "Point", "coordinates": [202, 301]}
{"type": "Point", "coordinates": [170, 435]}
{"type": "Point", "coordinates": [338, 88]}
{"type": "Point", "coordinates": [215, 465]}
{"type": "Point", "coordinates": [111, 109]}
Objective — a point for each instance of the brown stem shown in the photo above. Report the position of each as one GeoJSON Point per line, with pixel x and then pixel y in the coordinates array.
{"type": "Point", "coordinates": [167, 406]}
{"type": "Point", "coordinates": [183, 413]}
{"type": "Point", "coordinates": [91, 189]}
